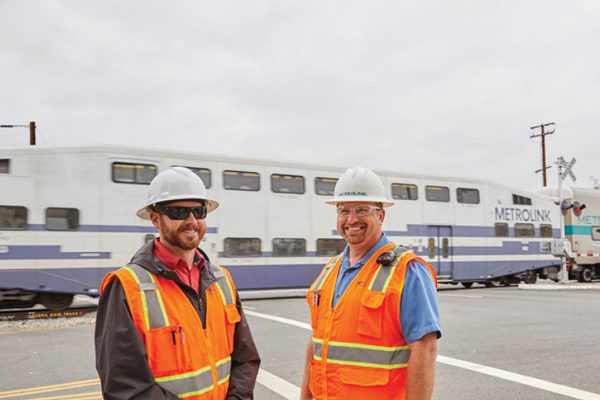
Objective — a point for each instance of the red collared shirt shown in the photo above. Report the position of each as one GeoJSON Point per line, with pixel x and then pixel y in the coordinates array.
{"type": "Point", "coordinates": [189, 276]}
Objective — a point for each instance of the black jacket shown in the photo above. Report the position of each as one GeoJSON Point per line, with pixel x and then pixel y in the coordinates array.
{"type": "Point", "coordinates": [121, 359]}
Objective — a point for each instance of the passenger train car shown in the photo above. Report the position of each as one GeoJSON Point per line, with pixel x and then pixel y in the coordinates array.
{"type": "Point", "coordinates": [68, 216]}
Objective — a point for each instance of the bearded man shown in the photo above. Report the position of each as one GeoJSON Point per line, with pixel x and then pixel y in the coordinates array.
{"type": "Point", "coordinates": [170, 324]}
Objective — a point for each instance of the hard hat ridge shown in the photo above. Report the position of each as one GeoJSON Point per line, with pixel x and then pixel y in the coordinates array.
{"type": "Point", "coordinates": [360, 184]}
{"type": "Point", "coordinates": [176, 184]}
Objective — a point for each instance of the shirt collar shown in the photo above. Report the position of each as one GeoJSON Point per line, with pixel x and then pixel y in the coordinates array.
{"type": "Point", "coordinates": [383, 240]}
{"type": "Point", "coordinates": [171, 260]}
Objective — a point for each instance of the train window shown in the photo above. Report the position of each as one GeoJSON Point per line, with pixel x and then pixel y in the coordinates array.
{"type": "Point", "coordinates": [133, 173]}
{"type": "Point", "coordinates": [13, 217]}
{"type": "Point", "coordinates": [239, 180]}
{"type": "Point", "coordinates": [501, 229]}
{"type": "Point", "coordinates": [62, 219]}
{"type": "Point", "coordinates": [289, 247]}
{"type": "Point", "coordinates": [325, 186]}
{"type": "Point", "coordinates": [4, 166]}
{"type": "Point", "coordinates": [521, 200]}
{"type": "Point", "coordinates": [242, 247]}
{"type": "Point", "coordinates": [545, 230]}
{"type": "Point", "coordinates": [437, 193]}
{"type": "Point", "coordinates": [403, 191]}
{"type": "Point", "coordinates": [287, 184]}
{"type": "Point", "coordinates": [203, 173]}
{"type": "Point", "coordinates": [445, 248]}
{"type": "Point", "coordinates": [595, 232]}
{"type": "Point", "coordinates": [467, 196]}
{"type": "Point", "coordinates": [330, 247]}
{"type": "Point", "coordinates": [431, 248]}
{"type": "Point", "coordinates": [524, 230]}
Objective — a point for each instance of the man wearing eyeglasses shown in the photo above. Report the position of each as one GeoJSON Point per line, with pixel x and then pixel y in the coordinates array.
{"type": "Point", "coordinates": [170, 324]}
{"type": "Point", "coordinates": [374, 310]}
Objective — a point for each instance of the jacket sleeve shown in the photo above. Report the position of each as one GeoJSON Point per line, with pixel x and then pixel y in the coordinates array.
{"type": "Point", "coordinates": [121, 359]}
{"type": "Point", "coordinates": [245, 361]}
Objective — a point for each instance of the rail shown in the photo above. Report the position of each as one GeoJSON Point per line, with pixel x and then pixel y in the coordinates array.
{"type": "Point", "coordinates": [19, 315]}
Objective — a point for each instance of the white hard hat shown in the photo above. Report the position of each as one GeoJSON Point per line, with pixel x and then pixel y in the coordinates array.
{"type": "Point", "coordinates": [359, 184]}
{"type": "Point", "coordinates": [176, 183]}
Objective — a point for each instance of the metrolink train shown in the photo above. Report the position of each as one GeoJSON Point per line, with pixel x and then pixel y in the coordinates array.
{"type": "Point", "coordinates": [68, 217]}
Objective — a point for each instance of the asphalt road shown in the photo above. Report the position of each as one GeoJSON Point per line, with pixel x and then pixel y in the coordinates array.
{"type": "Point", "coordinates": [500, 343]}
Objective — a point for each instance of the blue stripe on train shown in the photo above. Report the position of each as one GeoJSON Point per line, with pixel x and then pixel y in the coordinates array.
{"type": "Point", "coordinates": [108, 228]}
{"type": "Point", "coordinates": [55, 253]}
{"type": "Point", "coordinates": [459, 231]}
{"type": "Point", "coordinates": [48, 253]}
{"type": "Point", "coordinates": [578, 230]}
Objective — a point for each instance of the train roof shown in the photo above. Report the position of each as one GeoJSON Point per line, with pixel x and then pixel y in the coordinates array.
{"type": "Point", "coordinates": [216, 157]}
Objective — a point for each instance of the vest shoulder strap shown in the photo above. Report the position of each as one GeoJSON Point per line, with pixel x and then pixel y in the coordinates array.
{"type": "Point", "coordinates": [152, 303]}
{"type": "Point", "coordinates": [224, 284]}
{"type": "Point", "coordinates": [319, 282]}
{"type": "Point", "coordinates": [384, 273]}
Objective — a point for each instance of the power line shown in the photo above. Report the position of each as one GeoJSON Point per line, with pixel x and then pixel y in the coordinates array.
{"type": "Point", "coordinates": [31, 127]}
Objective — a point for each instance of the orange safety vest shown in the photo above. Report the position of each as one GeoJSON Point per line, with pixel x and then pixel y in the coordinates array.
{"type": "Point", "coordinates": [185, 359]}
{"type": "Point", "coordinates": [358, 348]}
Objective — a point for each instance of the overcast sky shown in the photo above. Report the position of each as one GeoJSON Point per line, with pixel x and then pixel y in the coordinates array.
{"type": "Point", "coordinates": [443, 87]}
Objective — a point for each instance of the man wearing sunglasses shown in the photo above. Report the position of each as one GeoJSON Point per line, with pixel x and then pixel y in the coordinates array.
{"type": "Point", "coordinates": [374, 310]}
{"type": "Point", "coordinates": [170, 324]}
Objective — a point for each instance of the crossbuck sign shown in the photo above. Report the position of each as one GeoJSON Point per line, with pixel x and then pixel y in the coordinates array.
{"type": "Point", "coordinates": [567, 167]}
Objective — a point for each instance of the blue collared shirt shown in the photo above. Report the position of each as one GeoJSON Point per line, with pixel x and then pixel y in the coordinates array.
{"type": "Point", "coordinates": [419, 314]}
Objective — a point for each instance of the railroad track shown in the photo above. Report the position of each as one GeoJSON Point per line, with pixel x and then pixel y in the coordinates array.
{"type": "Point", "coordinates": [17, 315]}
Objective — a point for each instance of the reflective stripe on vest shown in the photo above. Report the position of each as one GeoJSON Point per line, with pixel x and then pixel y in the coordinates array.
{"type": "Point", "coordinates": [154, 309]}
{"type": "Point", "coordinates": [362, 354]}
{"type": "Point", "coordinates": [325, 273]}
{"type": "Point", "coordinates": [384, 273]}
{"type": "Point", "coordinates": [197, 382]}
{"type": "Point", "coordinates": [192, 383]}
{"type": "Point", "coordinates": [223, 285]}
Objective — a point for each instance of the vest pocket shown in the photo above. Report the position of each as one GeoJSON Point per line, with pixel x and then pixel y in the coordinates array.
{"type": "Point", "coordinates": [232, 317]}
{"type": "Point", "coordinates": [167, 351]}
{"type": "Point", "coordinates": [370, 316]}
{"type": "Point", "coordinates": [363, 383]}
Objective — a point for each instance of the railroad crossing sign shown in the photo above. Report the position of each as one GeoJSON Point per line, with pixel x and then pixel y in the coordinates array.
{"type": "Point", "coordinates": [567, 167]}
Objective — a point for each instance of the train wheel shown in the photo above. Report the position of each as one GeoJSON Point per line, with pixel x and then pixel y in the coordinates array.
{"type": "Point", "coordinates": [467, 284]}
{"type": "Point", "coordinates": [531, 279]}
{"type": "Point", "coordinates": [56, 301]}
{"type": "Point", "coordinates": [492, 283]}
{"type": "Point", "coordinates": [585, 275]}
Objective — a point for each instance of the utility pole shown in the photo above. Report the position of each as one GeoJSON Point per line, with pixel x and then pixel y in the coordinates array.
{"type": "Point", "coordinates": [31, 127]}
{"type": "Point", "coordinates": [543, 136]}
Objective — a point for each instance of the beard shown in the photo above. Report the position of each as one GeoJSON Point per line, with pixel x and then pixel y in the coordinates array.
{"type": "Point", "coordinates": [354, 238]}
{"type": "Point", "coordinates": [177, 238]}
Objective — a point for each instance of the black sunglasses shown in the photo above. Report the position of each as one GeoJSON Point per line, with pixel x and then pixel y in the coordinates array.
{"type": "Point", "coordinates": [180, 212]}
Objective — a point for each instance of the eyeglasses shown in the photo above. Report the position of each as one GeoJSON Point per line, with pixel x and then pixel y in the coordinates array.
{"type": "Point", "coordinates": [359, 211]}
{"type": "Point", "coordinates": [181, 213]}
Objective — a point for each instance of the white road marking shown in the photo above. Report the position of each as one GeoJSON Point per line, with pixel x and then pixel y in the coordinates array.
{"type": "Point", "coordinates": [278, 385]}
{"type": "Point", "coordinates": [495, 372]}
{"type": "Point", "coordinates": [279, 319]}
{"type": "Point", "coordinates": [522, 379]}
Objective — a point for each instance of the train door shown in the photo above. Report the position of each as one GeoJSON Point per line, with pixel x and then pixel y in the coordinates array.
{"type": "Point", "coordinates": [439, 255]}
